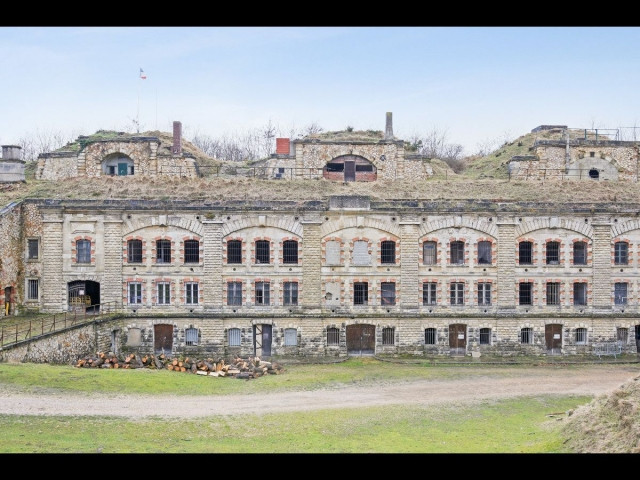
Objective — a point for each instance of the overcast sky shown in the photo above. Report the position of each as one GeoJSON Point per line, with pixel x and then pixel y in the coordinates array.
{"type": "Point", "coordinates": [473, 84]}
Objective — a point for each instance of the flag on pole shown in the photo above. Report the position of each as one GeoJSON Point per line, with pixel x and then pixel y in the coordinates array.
{"type": "Point", "coordinates": [143, 75]}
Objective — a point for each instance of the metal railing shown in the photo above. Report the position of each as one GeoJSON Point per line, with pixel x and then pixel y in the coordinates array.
{"type": "Point", "coordinates": [36, 327]}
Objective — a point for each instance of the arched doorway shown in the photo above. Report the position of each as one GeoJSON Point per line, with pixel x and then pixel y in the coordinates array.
{"type": "Point", "coordinates": [361, 339]}
{"type": "Point", "coordinates": [350, 168]}
{"type": "Point", "coordinates": [117, 164]}
{"type": "Point", "coordinates": [84, 295]}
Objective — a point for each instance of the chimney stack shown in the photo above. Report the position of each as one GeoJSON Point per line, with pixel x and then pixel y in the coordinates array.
{"type": "Point", "coordinates": [283, 146]}
{"type": "Point", "coordinates": [388, 132]}
{"type": "Point", "coordinates": [11, 152]}
{"type": "Point", "coordinates": [177, 138]}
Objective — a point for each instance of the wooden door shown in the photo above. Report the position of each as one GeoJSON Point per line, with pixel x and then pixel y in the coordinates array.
{"type": "Point", "coordinates": [349, 171]}
{"type": "Point", "coordinates": [262, 335]}
{"type": "Point", "coordinates": [553, 338]}
{"type": "Point", "coordinates": [361, 339]}
{"type": "Point", "coordinates": [163, 338]}
{"type": "Point", "coordinates": [457, 339]}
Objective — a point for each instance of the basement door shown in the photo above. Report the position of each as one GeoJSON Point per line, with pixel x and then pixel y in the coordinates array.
{"type": "Point", "coordinates": [349, 171]}
{"type": "Point", "coordinates": [162, 339]}
{"type": "Point", "coordinates": [361, 339]}
{"type": "Point", "coordinates": [553, 338]}
{"type": "Point", "coordinates": [8, 307]}
{"type": "Point", "coordinates": [262, 340]}
{"type": "Point", "coordinates": [457, 339]}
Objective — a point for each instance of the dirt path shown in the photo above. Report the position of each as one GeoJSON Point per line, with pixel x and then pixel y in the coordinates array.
{"type": "Point", "coordinates": [478, 385]}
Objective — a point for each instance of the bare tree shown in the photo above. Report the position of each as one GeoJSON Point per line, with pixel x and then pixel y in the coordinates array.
{"type": "Point", "coordinates": [434, 144]}
{"type": "Point", "coordinates": [33, 144]}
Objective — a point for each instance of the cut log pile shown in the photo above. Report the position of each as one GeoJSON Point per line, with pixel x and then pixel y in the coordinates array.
{"type": "Point", "coordinates": [243, 368]}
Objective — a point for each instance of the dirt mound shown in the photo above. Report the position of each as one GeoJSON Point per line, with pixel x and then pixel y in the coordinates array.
{"type": "Point", "coordinates": [608, 424]}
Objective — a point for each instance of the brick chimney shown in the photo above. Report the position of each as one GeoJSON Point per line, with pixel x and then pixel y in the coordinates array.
{"type": "Point", "coordinates": [388, 131]}
{"type": "Point", "coordinates": [177, 138]}
{"type": "Point", "coordinates": [283, 146]}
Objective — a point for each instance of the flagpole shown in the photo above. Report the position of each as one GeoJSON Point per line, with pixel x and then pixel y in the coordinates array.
{"type": "Point", "coordinates": [138, 114]}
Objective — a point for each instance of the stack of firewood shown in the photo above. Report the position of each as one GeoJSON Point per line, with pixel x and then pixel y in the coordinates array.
{"type": "Point", "coordinates": [244, 368]}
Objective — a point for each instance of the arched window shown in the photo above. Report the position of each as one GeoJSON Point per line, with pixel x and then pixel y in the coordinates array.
{"type": "Point", "coordinates": [388, 251]}
{"type": "Point", "coordinates": [234, 251]}
{"type": "Point", "coordinates": [134, 251]}
{"type": "Point", "coordinates": [525, 253]}
{"type": "Point", "coordinates": [457, 252]}
{"type": "Point", "coordinates": [289, 251]}
{"type": "Point", "coordinates": [333, 336]}
{"type": "Point", "coordinates": [429, 253]}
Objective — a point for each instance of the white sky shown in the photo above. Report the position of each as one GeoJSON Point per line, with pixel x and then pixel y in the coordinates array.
{"type": "Point", "coordinates": [474, 84]}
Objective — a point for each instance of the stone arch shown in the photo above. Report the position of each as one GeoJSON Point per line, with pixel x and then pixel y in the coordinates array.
{"type": "Point", "coordinates": [293, 226]}
{"type": "Point", "coordinates": [141, 223]}
{"type": "Point", "coordinates": [357, 221]}
{"type": "Point", "coordinates": [481, 225]}
{"type": "Point", "coordinates": [95, 153]}
{"type": "Point", "coordinates": [350, 167]}
{"type": "Point", "coordinates": [625, 227]}
{"type": "Point", "coordinates": [582, 228]}
{"type": "Point", "coordinates": [117, 164]}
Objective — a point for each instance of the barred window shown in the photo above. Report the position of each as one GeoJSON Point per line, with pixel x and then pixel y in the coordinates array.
{"type": "Point", "coordinates": [622, 334]}
{"type": "Point", "coordinates": [620, 293]}
{"type": "Point", "coordinates": [163, 251]}
{"type": "Point", "coordinates": [83, 251]}
{"type": "Point", "coordinates": [553, 253]}
{"type": "Point", "coordinates": [525, 293]}
{"type": "Point", "coordinates": [234, 293]}
{"type": "Point", "coordinates": [191, 251]}
{"type": "Point", "coordinates": [484, 293]}
{"type": "Point", "coordinates": [388, 293]}
{"type": "Point", "coordinates": [290, 294]}
{"type": "Point", "coordinates": [388, 251]}
{"type": "Point", "coordinates": [234, 251]}
{"type": "Point", "coordinates": [388, 336]}
{"type": "Point", "coordinates": [485, 336]}
{"type": "Point", "coordinates": [135, 293]}
{"type": "Point", "coordinates": [333, 336]}
{"type": "Point", "coordinates": [32, 249]}
{"type": "Point", "coordinates": [484, 252]}
{"type": "Point", "coordinates": [33, 289]}
{"type": "Point", "coordinates": [526, 335]}
{"type": "Point", "coordinates": [191, 336]}
{"type": "Point", "coordinates": [581, 336]}
{"type": "Point", "coordinates": [429, 253]}
{"type": "Point", "coordinates": [290, 251]}
{"type": "Point", "coordinates": [456, 291]}
{"type": "Point", "coordinates": [360, 293]}
{"type": "Point", "coordinates": [621, 253]}
{"type": "Point", "coordinates": [234, 337]}
{"type": "Point", "coordinates": [580, 253]}
{"type": "Point", "coordinates": [164, 293]}
{"type": "Point", "coordinates": [263, 251]}
{"type": "Point", "coordinates": [579, 293]}
{"type": "Point", "coordinates": [525, 253]}
{"type": "Point", "coordinates": [429, 293]}
{"type": "Point", "coordinates": [553, 293]}
{"type": "Point", "coordinates": [429, 336]}
{"type": "Point", "coordinates": [457, 252]}
{"type": "Point", "coordinates": [134, 251]}
{"type": "Point", "coordinates": [290, 337]}
{"type": "Point", "coordinates": [262, 293]}
{"type": "Point", "coordinates": [191, 293]}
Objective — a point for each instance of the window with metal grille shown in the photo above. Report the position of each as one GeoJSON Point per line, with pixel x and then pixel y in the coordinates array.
{"type": "Point", "coordinates": [429, 293]}
{"type": "Point", "coordinates": [388, 252]}
{"type": "Point", "coordinates": [457, 252]}
{"type": "Point", "coordinates": [360, 293]}
{"type": "Point", "coordinates": [290, 251]}
{"type": "Point", "coordinates": [164, 293]}
{"type": "Point", "coordinates": [83, 251]}
{"type": "Point", "coordinates": [361, 254]}
{"type": "Point", "coordinates": [485, 336]}
{"type": "Point", "coordinates": [388, 293]}
{"type": "Point", "coordinates": [525, 253]}
{"type": "Point", "coordinates": [429, 253]}
{"type": "Point", "coordinates": [290, 337]}
{"type": "Point", "coordinates": [621, 253]}
{"type": "Point", "coordinates": [456, 290]}
{"type": "Point", "coordinates": [429, 336]}
{"type": "Point", "coordinates": [553, 293]}
{"type": "Point", "coordinates": [234, 293]}
{"type": "Point", "coordinates": [333, 336]}
{"type": "Point", "coordinates": [581, 336]}
{"type": "Point", "coordinates": [262, 293]}
{"type": "Point", "coordinates": [622, 335]}
{"type": "Point", "coordinates": [388, 336]}
{"type": "Point", "coordinates": [484, 293]}
{"type": "Point", "coordinates": [526, 335]}
{"type": "Point", "coordinates": [525, 293]}
{"type": "Point", "coordinates": [163, 251]}
{"type": "Point", "coordinates": [620, 293]}
{"type": "Point", "coordinates": [290, 294]}
{"type": "Point", "coordinates": [191, 336]}
{"type": "Point", "coordinates": [263, 251]}
{"type": "Point", "coordinates": [579, 293]}
{"type": "Point", "coordinates": [135, 293]}
{"type": "Point", "coordinates": [234, 251]}
{"type": "Point", "coordinates": [134, 251]}
{"type": "Point", "coordinates": [553, 253]}
{"type": "Point", "coordinates": [32, 249]}
{"type": "Point", "coordinates": [484, 252]}
{"type": "Point", "coordinates": [191, 293]}
{"type": "Point", "coordinates": [233, 335]}
{"type": "Point", "coordinates": [33, 289]}
{"type": "Point", "coordinates": [580, 253]}
{"type": "Point", "coordinates": [191, 251]}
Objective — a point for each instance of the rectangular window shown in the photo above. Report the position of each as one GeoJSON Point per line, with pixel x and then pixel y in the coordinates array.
{"type": "Point", "coordinates": [290, 294]}
{"type": "Point", "coordinates": [191, 293]}
{"type": "Point", "coordinates": [163, 251]}
{"type": "Point", "coordinates": [429, 293]}
{"type": "Point", "coordinates": [290, 337]}
{"type": "Point", "coordinates": [553, 293]}
{"type": "Point", "coordinates": [579, 293]}
{"type": "Point", "coordinates": [525, 253]}
{"type": "Point", "coordinates": [164, 293]}
{"type": "Point", "coordinates": [620, 293]}
{"type": "Point", "coordinates": [388, 252]}
{"type": "Point", "coordinates": [526, 335]}
{"type": "Point", "coordinates": [456, 290]}
{"type": "Point", "coordinates": [361, 254]}
{"type": "Point", "coordinates": [622, 334]}
{"type": "Point", "coordinates": [581, 336]}
{"type": "Point", "coordinates": [263, 251]}
{"type": "Point", "coordinates": [191, 336]}
{"type": "Point", "coordinates": [388, 291]}
{"type": "Point", "coordinates": [484, 293]}
{"type": "Point", "coordinates": [262, 293]}
{"type": "Point", "coordinates": [360, 293]}
{"type": "Point", "coordinates": [33, 289]}
{"type": "Point", "coordinates": [580, 253]}
{"type": "Point", "coordinates": [553, 253]}
{"type": "Point", "coordinates": [32, 249]}
{"type": "Point", "coordinates": [525, 294]}
{"type": "Point", "coordinates": [484, 253]}
{"type": "Point", "coordinates": [135, 293]}
{"type": "Point", "coordinates": [83, 251]}
{"type": "Point", "coordinates": [191, 251]}
{"type": "Point", "coordinates": [234, 251]}
{"type": "Point", "coordinates": [134, 251]}
{"type": "Point", "coordinates": [457, 253]}
{"type": "Point", "coordinates": [333, 336]}
{"type": "Point", "coordinates": [289, 251]}
{"type": "Point", "coordinates": [429, 255]}
{"type": "Point", "coordinates": [234, 337]}
{"type": "Point", "coordinates": [388, 336]}
{"type": "Point", "coordinates": [485, 336]}
{"type": "Point", "coordinates": [234, 293]}
{"type": "Point", "coordinates": [333, 252]}
{"type": "Point", "coordinates": [621, 253]}
{"type": "Point", "coordinates": [429, 336]}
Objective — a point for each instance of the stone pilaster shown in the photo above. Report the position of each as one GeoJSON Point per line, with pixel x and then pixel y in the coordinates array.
{"type": "Point", "coordinates": [409, 260]}
{"type": "Point", "coordinates": [601, 247]}
{"type": "Point", "coordinates": [212, 288]}
{"type": "Point", "coordinates": [111, 288]}
{"type": "Point", "coordinates": [311, 267]}
{"type": "Point", "coordinates": [506, 263]}
{"type": "Point", "coordinates": [52, 285]}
